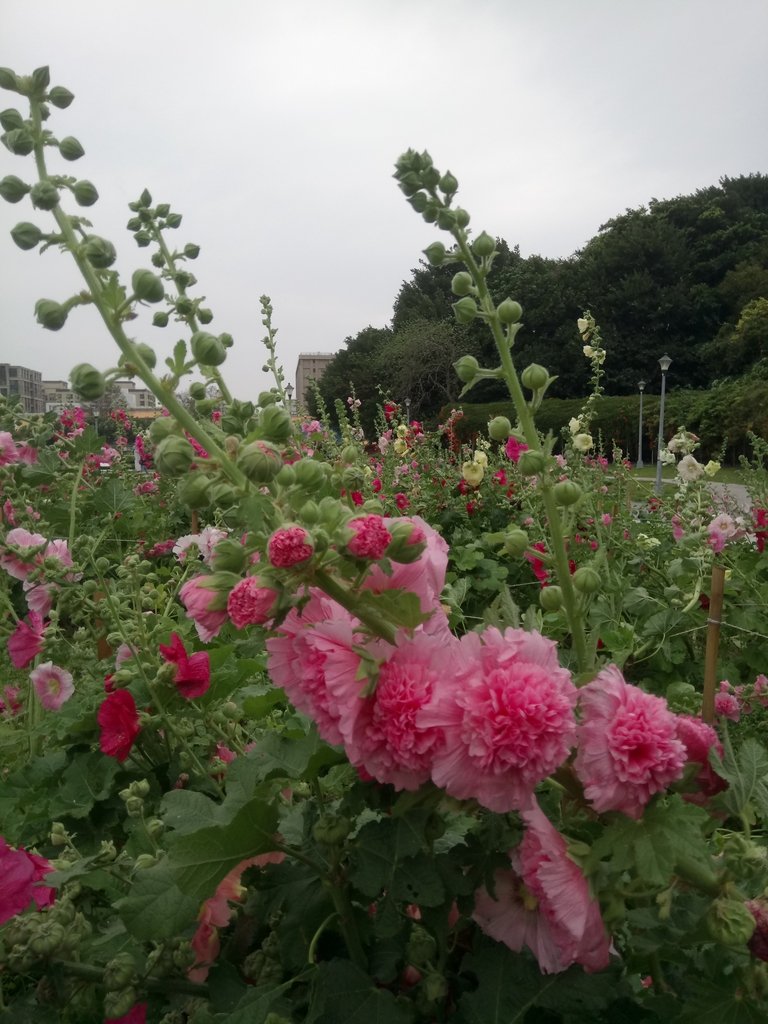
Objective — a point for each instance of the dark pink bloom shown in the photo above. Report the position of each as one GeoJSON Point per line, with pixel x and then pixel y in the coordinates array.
{"type": "Point", "coordinates": [507, 713]}
{"type": "Point", "coordinates": [726, 703]}
{"type": "Point", "coordinates": [204, 607]}
{"type": "Point", "coordinates": [119, 722]}
{"type": "Point", "coordinates": [21, 873]}
{"type": "Point", "coordinates": [758, 944]}
{"type": "Point", "coordinates": [289, 546]}
{"type": "Point", "coordinates": [370, 539]}
{"type": "Point", "coordinates": [627, 744]}
{"type": "Point", "coordinates": [136, 1015]}
{"type": "Point", "coordinates": [10, 704]}
{"type": "Point", "coordinates": [193, 671]}
{"type": "Point", "coordinates": [26, 641]}
{"type": "Point", "coordinates": [250, 604]}
{"type": "Point", "coordinates": [515, 448]}
{"type": "Point", "coordinates": [401, 500]}
{"type": "Point", "coordinates": [698, 738]}
{"type": "Point", "coordinates": [545, 903]}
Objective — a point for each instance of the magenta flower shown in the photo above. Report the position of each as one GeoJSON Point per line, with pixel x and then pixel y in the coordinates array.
{"type": "Point", "coordinates": [26, 641]}
{"type": "Point", "coordinates": [119, 724]}
{"type": "Point", "coordinates": [8, 453]}
{"type": "Point", "coordinates": [370, 538]}
{"type": "Point", "coordinates": [21, 873]}
{"type": "Point", "coordinates": [250, 604]}
{"type": "Point", "coordinates": [290, 546]}
{"type": "Point", "coordinates": [545, 903]}
{"type": "Point", "coordinates": [193, 671]}
{"type": "Point", "coordinates": [507, 714]}
{"type": "Point", "coordinates": [515, 448]}
{"type": "Point", "coordinates": [699, 738]}
{"type": "Point", "coordinates": [136, 1015]}
{"type": "Point", "coordinates": [53, 685]}
{"type": "Point", "coordinates": [203, 606]}
{"type": "Point", "coordinates": [627, 744]}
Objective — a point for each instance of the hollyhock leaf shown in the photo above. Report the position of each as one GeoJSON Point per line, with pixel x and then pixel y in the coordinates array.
{"type": "Point", "coordinates": [87, 780]}
{"type": "Point", "coordinates": [382, 846]}
{"type": "Point", "coordinates": [416, 881]}
{"type": "Point", "coordinates": [402, 607]}
{"type": "Point", "coordinates": [201, 859]}
{"type": "Point", "coordinates": [292, 758]}
{"type": "Point", "coordinates": [507, 985]}
{"type": "Point", "coordinates": [343, 993]}
{"type": "Point", "coordinates": [746, 772]}
{"type": "Point", "coordinates": [157, 908]}
{"type": "Point", "coordinates": [187, 811]}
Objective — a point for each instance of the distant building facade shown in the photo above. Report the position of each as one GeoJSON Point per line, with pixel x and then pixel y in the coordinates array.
{"type": "Point", "coordinates": [27, 384]}
{"type": "Point", "coordinates": [58, 395]}
{"type": "Point", "coordinates": [136, 399]}
{"type": "Point", "coordinates": [311, 366]}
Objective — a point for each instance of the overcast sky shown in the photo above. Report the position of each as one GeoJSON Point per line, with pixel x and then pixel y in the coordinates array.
{"type": "Point", "coordinates": [273, 127]}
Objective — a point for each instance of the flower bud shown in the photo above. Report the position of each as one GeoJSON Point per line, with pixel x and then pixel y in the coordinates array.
{"type": "Point", "coordinates": [465, 310]}
{"type": "Point", "coordinates": [229, 556]}
{"type": "Point", "coordinates": [466, 368]}
{"type": "Point", "coordinates": [160, 319]}
{"type": "Point", "coordinates": [309, 513]}
{"type": "Point", "coordinates": [352, 478]}
{"type": "Point", "coordinates": [204, 315]}
{"type": "Point", "coordinates": [418, 201]}
{"type": "Point", "coordinates": [174, 456]}
{"type": "Point", "coordinates": [461, 283]}
{"type": "Point", "coordinates": [41, 79]}
{"type": "Point", "coordinates": [191, 251]}
{"type": "Point", "coordinates": [163, 209]}
{"type": "Point", "coordinates": [530, 462]}
{"type": "Point", "coordinates": [11, 119]}
{"type": "Point", "coordinates": [446, 219]}
{"type": "Point", "coordinates": [534, 377]}
{"type": "Point", "coordinates": [226, 339]}
{"type": "Point", "coordinates": [567, 492]}
{"type": "Point", "coordinates": [207, 349]}
{"type": "Point", "coordinates": [13, 189]}
{"type": "Point", "coordinates": [8, 80]}
{"type": "Point", "coordinates": [310, 475]}
{"type": "Point", "coordinates": [99, 252]}
{"type": "Point", "coordinates": [515, 542]}
{"type": "Point", "coordinates": [142, 239]}
{"type": "Point", "coordinates": [19, 141]}
{"type": "Point", "coordinates": [587, 580]}
{"type": "Point", "coordinates": [435, 253]}
{"type": "Point", "coordinates": [194, 490]}
{"type": "Point", "coordinates": [70, 148]}
{"type": "Point", "coordinates": [509, 311]}
{"type": "Point", "coordinates": [147, 287]}
{"type": "Point", "coordinates": [350, 454]}
{"type": "Point", "coordinates": [119, 1004]}
{"type": "Point", "coordinates": [483, 245]}
{"type": "Point", "coordinates": [407, 544]}
{"type": "Point", "coordinates": [499, 428]}
{"type": "Point", "coordinates": [173, 220]}
{"type": "Point", "coordinates": [448, 185]}
{"type": "Point", "coordinates": [730, 922]}
{"type": "Point", "coordinates": [161, 428]}
{"type": "Point", "coordinates": [551, 598]}
{"type": "Point", "coordinates": [51, 315]}
{"type": "Point", "coordinates": [60, 97]}
{"type": "Point", "coordinates": [260, 461]}
{"type": "Point", "coordinates": [26, 235]}
{"type": "Point", "coordinates": [275, 423]}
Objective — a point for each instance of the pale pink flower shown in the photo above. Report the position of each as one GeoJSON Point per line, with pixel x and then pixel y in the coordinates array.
{"type": "Point", "coordinates": [27, 454]}
{"type": "Point", "coordinates": [721, 529]}
{"type": "Point", "coordinates": [425, 576]}
{"type": "Point", "coordinates": [26, 641]}
{"type": "Point", "coordinates": [205, 606]}
{"type": "Point", "coordinates": [20, 563]}
{"type": "Point", "coordinates": [689, 470]}
{"type": "Point", "coordinates": [53, 685]}
{"type": "Point", "coordinates": [8, 512]}
{"type": "Point", "coordinates": [677, 528]}
{"type": "Point", "coordinates": [249, 603]}
{"type": "Point", "coordinates": [289, 546]}
{"type": "Point", "coordinates": [545, 903]}
{"type": "Point", "coordinates": [39, 596]}
{"type": "Point", "coordinates": [507, 712]}
{"type": "Point", "coordinates": [58, 550]}
{"type": "Point", "coordinates": [122, 654]}
{"type": "Point", "coordinates": [627, 744]}
{"type": "Point", "coordinates": [606, 518]}
{"type": "Point", "coordinates": [727, 706]}
{"type": "Point", "coordinates": [8, 453]}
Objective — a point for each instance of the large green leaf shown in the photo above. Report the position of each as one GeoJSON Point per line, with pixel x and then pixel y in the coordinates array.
{"type": "Point", "coordinates": [343, 994]}
{"type": "Point", "coordinates": [86, 780]}
{"type": "Point", "coordinates": [156, 907]}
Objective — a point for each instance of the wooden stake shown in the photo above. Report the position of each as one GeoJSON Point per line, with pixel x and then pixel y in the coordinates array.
{"type": "Point", "coordinates": [713, 643]}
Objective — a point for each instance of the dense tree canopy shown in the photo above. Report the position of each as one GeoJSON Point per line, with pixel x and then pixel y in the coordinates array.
{"type": "Point", "coordinates": [686, 276]}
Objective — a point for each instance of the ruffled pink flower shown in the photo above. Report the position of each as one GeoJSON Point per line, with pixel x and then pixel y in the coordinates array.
{"type": "Point", "coordinates": [545, 903]}
{"type": "Point", "coordinates": [53, 685]}
{"type": "Point", "coordinates": [289, 546]}
{"type": "Point", "coordinates": [250, 604]}
{"type": "Point", "coordinates": [370, 539]}
{"type": "Point", "coordinates": [514, 448]}
{"type": "Point", "coordinates": [727, 706]}
{"type": "Point", "coordinates": [26, 641]}
{"type": "Point", "coordinates": [8, 453]}
{"type": "Point", "coordinates": [627, 744]}
{"type": "Point", "coordinates": [204, 607]}
{"type": "Point", "coordinates": [216, 912]}
{"type": "Point", "coordinates": [21, 874]}
{"type": "Point", "coordinates": [381, 732]}
{"type": "Point", "coordinates": [677, 528]}
{"type": "Point", "coordinates": [20, 564]}
{"type": "Point", "coordinates": [425, 575]}
{"type": "Point", "coordinates": [507, 713]}
{"type": "Point", "coordinates": [699, 738]}
{"type": "Point", "coordinates": [193, 671]}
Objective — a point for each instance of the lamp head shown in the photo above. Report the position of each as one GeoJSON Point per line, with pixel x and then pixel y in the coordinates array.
{"type": "Point", "coordinates": [641, 386]}
{"type": "Point", "coordinates": [289, 391]}
{"type": "Point", "coordinates": [665, 362]}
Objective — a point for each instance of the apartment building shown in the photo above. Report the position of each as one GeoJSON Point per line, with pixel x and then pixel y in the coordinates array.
{"type": "Point", "coordinates": [311, 366]}
{"type": "Point", "coordinates": [26, 383]}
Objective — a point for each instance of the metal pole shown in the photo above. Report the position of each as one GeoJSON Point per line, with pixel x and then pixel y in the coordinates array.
{"type": "Point", "coordinates": [640, 464]}
{"type": "Point", "coordinates": [664, 367]}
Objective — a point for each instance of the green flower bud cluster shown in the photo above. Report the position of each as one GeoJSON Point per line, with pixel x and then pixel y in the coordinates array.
{"type": "Point", "coordinates": [420, 182]}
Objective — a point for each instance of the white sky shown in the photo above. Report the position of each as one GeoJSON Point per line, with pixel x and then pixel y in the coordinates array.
{"type": "Point", "coordinates": [273, 127]}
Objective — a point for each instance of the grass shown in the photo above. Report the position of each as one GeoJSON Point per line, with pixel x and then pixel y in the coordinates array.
{"type": "Point", "coordinates": [725, 475]}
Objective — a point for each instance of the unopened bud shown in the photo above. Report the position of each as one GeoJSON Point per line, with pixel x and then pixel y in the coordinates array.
{"type": "Point", "coordinates": [435, 253]}
{"type": "Point", "coordinates": [499, 428]}
{"type": "Point", "coordinates": [465, 310]}
{"type": "Point", "coordinates": [99, 252]}
{"type": "Point", "coordinates": [70, 148]}
{"type": "Point", "coordinates": [483, 245]}
{"type": "Point", "coordinates": [534, 377]}
{"type": "Point", "coordinates": [551, 598]}
{"type": "Point", "coordinates": [207, 349]}
{"type": "Point", "coordinates": [567, 492]}
{"type": "Point", "coordinates": [26, 235]}
{"type": "Point", "coordinates": [60, 97]}
{"type": "Point", "coordinates": [147, 287]}
{"type": "Point", "coordinates": [51, 315]}
{"type": "Point", "coordinates": [174, 456]}
{"type": "Point", "coordinates": [509, 311]}
{"type": "Point", "coordinates": [466, 368]}
{"type": "Point", "coordinates": [461, 283]}
{"type": "Point", "coordinates": [530, 463]}
{"type": "Point", "coordinates": [13, 189]}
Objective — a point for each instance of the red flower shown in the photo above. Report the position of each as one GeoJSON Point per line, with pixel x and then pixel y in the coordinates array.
{"type": "Point", "coordinates": [760, 516]}
{"type": "Point", "coordinates": [401, 500]}
{"type": "Point", "coordinates": [119, 722]}
{"type": "Point", "coordinates": [193, 671]}
{"type": "Point", "coordinates": [26, 641]}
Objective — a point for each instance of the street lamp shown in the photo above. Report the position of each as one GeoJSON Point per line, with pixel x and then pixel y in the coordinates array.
{"type": "Point", "coordinates": [408, 411]}
{"type": "Point", "coordinates": [289, 392]}
{"type": "Point", "coordinates": [665, 362]}
{"type": "Point", "coordinates": [639, 464]}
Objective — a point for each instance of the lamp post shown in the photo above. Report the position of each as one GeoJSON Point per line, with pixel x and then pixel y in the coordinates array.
{"type": "Point", "coordinates": [640, 464]}
{"type": "Point", "coordinates": [408, 411]}
{"type": "Point", "coordinates": [665, 362]}
{"type": "Point", "coordinates": [289, 392]}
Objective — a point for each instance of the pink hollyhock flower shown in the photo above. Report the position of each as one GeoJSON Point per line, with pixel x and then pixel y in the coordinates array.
{"type": "Point", "coordinates": [53, 685]}
{"type": "Point", "coordinates": [514, 448]}
{"type": "Point", "coordinates": [8, 512]}
{"type": "Point", "coordinates": [119, 723]}
{"type": "Point", "coordinates": [370, 537]}
{"type": "Point", "coordinates": [8, 453]}
{"type": "Point", "coordinates": [381, 732]}
{"type": "Point", "coordinates": [758, 943]}
{"type": "Point", "coordinates": [250, 604]}
{"type": "Point", "coordinates": [627, 744]}
{"type": "Point", "coordinates": [727, 706]}
{"type": "Point", "coordinates": [720, 530]}
{"type": "Point", "coordinates": [203, 607]}
{"type": "Point", "coordinates": [401, 500]}
{"type": "Point", "coordinates": [289, 546]}
{"type": "Point", "coordinates": [424, 575]}
{"type": "Point", "coordinates": [21, 873]}
{"type": "Point", "coordinates": [39, 596]}
{"type": "Point", "coordinates": [216, 912]}
{"type": "Point", "coordinates": [193, 671]}
{"type": "Point", "coordinates": [312, 648]}
{"type": "Point", "coordinates": [26, 641]}
{"type": "Point", "coordinates": [27, 454]}
{"type": "Point", "coordinates": [545, 903]}
{"type": "Point", "coordinates": [677, 528]}
{"type": "Point", "coordinates": [507, 713]}
{"type": "Point", "coordinates": [537, 564]}
{"type": "Point", "coordinates": [136, 1015]}
{"type": "Point", "coordinates": [10, 704]}
{"type": "Point", "coordinates": [59, 550]}
{"type": "Point", "coordinates": [20, 563]}
{"type": "Point", "coordinates": [122, 654]}
{"type": "Point", "coordinates": [699, 738]}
